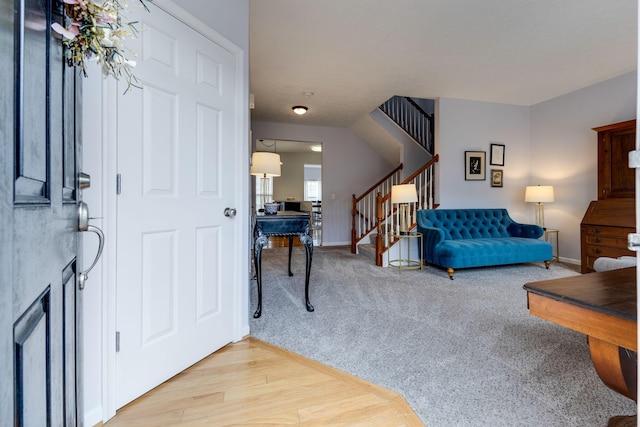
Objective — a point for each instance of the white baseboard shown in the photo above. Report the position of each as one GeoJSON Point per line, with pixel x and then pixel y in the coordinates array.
{"type": "Point", "coordinates": [245, 332]}
{"type": "Point", "coordinates": [93, 416]}
{"type": "Point", "coordinates": [570, 261]}
{"type": "Point", "coordinates": [336, 243]}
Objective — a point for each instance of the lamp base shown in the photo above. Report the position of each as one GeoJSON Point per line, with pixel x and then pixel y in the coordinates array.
{"type": "Point", "coordinates": [540, 215]}
{"type": "Point", "coordinates": [404, 220]}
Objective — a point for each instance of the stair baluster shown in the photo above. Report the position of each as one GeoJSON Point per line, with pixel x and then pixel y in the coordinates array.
{"type": "Point", "coordinates": [382, 216]}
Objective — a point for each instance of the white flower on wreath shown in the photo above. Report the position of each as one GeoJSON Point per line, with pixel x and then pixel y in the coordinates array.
{"type": "Point", "coordinates": [95, 31]}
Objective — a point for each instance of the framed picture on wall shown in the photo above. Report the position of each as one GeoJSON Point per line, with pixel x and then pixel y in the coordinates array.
{"type": "Point", "coordinates": [475, 165]}
{"type": "Point", "coordinates": [497, 155]}
{"type": "Point", "coordinates": [496, 177]}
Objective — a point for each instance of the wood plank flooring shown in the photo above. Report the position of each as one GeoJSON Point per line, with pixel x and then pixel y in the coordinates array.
{"type": "Point", "coordinates": [252, 383]}
{"type": "Point", "coordinates": [283, 242]}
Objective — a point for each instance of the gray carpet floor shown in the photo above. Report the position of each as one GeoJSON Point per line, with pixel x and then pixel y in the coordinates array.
{"type": "Point", "coordinates": [463, 353]}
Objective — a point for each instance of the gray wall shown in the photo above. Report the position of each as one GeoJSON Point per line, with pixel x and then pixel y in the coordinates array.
{"type": "Point", "coordinates": [564, 150]}
{"type": "Point", "coordinates": [550, 143]}
{"type": "Point", "coordinates": [229, 18]}
{"type": "Point", "coordinates": [291, 182]}
{"type": "Point", "coordinates": [472, 126]}
{"type": "Point", "coordinates": [412, 155]}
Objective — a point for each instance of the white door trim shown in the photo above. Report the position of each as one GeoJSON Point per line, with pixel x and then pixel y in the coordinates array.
{"type": "Point", "coordinates": [240, 246]}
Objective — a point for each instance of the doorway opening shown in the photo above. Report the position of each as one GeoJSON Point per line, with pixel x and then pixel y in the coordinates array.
{"type": "Point", "coordinates": [299, 186]}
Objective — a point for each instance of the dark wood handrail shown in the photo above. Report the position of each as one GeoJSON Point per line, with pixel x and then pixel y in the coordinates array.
{"type": "Point", "coordinates": [374, 186]}
{"type": "Point", "coordinates": [412, 118]}
{"type": "Point", "coordinates": [435, 159]}
{"type": "Point", "coordinates": [384, 200]}
{"type": "Point", "coordinates": [430, 120]}
{"type": "Point", "coordinates": [415, 174]}
{"type": "Point", "coordinates": [379, 211]}
{"type": "Point", "coordinates": [419, 108]}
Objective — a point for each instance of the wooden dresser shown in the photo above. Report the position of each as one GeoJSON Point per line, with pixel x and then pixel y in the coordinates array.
{"type": "Point", "coordinates": [604, 230]}
{"type": "Point", "coordinates": [609, 220]}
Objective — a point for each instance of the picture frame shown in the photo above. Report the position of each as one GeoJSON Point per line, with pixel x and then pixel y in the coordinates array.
{"type": "Point", "coordinates": [497, 155]}
{"type": "Point", "coordinates": [496, 177]}
{"type": "Point", "coordinates": [475, 166]}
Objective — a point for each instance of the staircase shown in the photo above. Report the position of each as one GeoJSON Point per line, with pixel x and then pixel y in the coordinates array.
{"type": "Point", "coordinates": [416, 122]}
{"type": "Point", "coordinates": [372, 212]}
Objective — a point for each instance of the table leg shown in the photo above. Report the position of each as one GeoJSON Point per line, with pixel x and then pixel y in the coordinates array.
{"type": "Point", "coordinates": [616, 366]}
{"type": "Point", "coordinates": [290, 248]}
{"type": "Point", "coordinates": [257, 260]}
{"type": "Point", "coordinates": [308, 244]}
{"type": "Point", "coordinates": [623, 421]}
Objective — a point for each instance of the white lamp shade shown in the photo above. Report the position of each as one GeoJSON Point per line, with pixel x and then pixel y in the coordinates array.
{"type": "Point", "coordinates": [404, 193]}
{"type": "Point", "coordinates": [265, 164]}
{"type": "Point", "coordinates": [539, 193]}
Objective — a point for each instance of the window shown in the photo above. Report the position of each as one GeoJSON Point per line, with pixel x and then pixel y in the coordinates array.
{"type": "Point", "coordinates": [312, 190]}
{"type": "Point", "coordinates": [312, 182]}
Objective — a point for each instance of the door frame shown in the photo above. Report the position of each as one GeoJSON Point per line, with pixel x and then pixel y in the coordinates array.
{"type": "Point", "coordinates": [106, 146]}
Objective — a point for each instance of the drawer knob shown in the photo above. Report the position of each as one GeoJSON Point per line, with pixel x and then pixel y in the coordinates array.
{"type": "Point", "coordinates": [596, 230]}
{"type": "Point", "coordinates": [597, 251]}
{"type": "Point", "coordinates": [597, 240]}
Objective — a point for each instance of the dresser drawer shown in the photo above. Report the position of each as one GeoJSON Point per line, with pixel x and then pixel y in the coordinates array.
{"type": "Point", "coordinates": [603, 231]}
{"type": "Point", "coordinates": [610, 241]}
{"type": "Point", "coordinates": [592, 253]}
{"type": "Point", "coordinates": [609, 252]}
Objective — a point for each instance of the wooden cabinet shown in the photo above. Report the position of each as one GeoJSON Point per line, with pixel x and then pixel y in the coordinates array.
{"type": "Point", "coordinates": [604, 230]}
{"type": "Point", "coordinates": [609, 220]}
{"type": "Point", "coordinates": [615, 178]}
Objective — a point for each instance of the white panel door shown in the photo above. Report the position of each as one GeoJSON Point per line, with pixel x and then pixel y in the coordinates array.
{"type": "Point", "coordinates": [175, 157]}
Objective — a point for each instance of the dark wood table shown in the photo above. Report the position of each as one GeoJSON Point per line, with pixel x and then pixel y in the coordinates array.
{"type": "Point", "coordinates": [286, 224]}
{"type": "Point", "coordinates": [603, 306]}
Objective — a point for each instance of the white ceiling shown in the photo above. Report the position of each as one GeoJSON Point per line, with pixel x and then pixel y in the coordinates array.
{"type": "Point", "coordinates": [355, 54]}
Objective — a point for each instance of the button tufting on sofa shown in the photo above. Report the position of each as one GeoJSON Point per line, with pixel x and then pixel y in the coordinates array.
{"type": "Point", "coordinates": [463, 238]}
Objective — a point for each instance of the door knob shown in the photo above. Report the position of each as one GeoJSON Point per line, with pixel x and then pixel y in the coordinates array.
{"type": "Point", "coordinates": [230, 212]}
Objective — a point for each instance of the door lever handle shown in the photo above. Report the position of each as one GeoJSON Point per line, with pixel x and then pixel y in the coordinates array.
{"type": "Point", "coordinates": [84, 275]}
{"type": "Point", "coordinates": [83, 225]}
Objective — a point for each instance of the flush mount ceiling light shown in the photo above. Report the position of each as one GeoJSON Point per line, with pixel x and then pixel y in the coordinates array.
{"type": "Point", "coordinates": [299, 109]}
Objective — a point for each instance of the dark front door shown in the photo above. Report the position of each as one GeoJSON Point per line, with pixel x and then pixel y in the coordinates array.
{"type": "Point", "coordinates": [39, 149]}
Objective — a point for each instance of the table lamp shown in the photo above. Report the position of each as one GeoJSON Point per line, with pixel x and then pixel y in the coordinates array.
{"type": "Point", "coordinates": [402, 195]}
{"type": "Point", "coordinates": [539, 194]}
{"type": "Point", "coordinates": [265, 164]}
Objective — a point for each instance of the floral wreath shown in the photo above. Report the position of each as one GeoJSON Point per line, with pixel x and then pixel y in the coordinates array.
{"type": "Point", "coordinates": [95, 30]}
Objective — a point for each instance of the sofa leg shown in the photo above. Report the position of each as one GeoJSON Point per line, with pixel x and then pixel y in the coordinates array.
{"type": "Point", "coordinates": [547, 264]}
{"type": "Point", "coordinates": [450, 271]}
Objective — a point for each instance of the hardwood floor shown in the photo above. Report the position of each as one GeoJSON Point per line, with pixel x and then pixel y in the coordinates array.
{"type": "Point", "coordinates": [252, 383]}
{"type": "Point", "coordinates": [283, 242]}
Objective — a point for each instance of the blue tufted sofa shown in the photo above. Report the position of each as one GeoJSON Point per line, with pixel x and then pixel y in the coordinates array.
{"type": "Point", "coordinates": [462, 238]}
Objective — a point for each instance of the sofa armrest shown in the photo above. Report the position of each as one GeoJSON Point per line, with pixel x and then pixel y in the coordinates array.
{"type": "Point", "coordinates": [431, 236]}
{"type": "Point", "coordinates": [531, 231]}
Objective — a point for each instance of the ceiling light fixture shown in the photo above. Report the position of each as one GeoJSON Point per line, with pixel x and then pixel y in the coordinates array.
{"type": "Point", "coordinates": [299, 109]}
{"type": "Point", "coordinates": [316, 148]}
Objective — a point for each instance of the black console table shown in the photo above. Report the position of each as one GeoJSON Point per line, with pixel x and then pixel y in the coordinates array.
{"type": "Point", "coordinates": [286, 224]}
